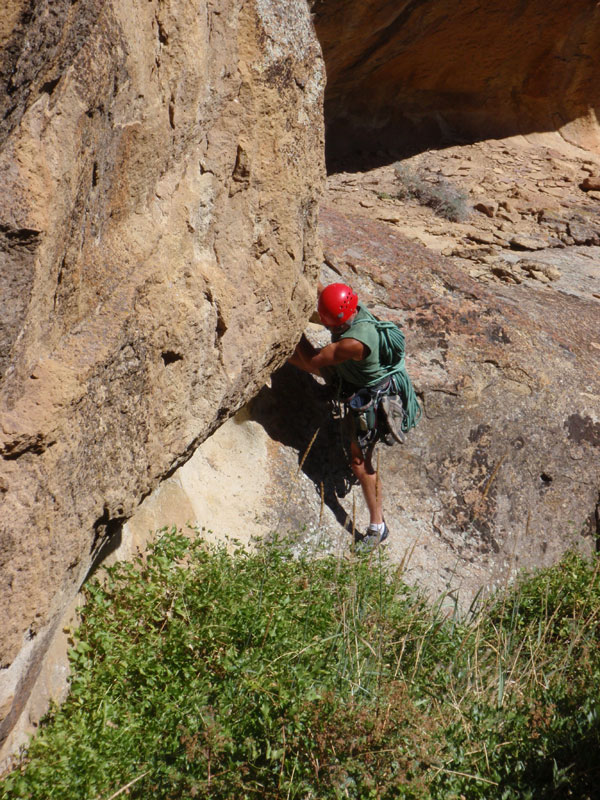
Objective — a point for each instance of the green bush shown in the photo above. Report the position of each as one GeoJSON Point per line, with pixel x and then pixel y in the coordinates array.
{"type": "Point", "coordinates": [441, 196]}
{"type": "Point", "coordinates": [203, 673]}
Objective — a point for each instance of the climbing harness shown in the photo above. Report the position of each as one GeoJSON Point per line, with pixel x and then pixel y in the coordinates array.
{"type": "Point", "coordinates": [369, 415]}
{"type": "Point", "coordinates": [383, 410]}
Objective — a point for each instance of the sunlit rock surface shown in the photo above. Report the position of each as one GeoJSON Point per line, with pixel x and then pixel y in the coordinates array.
{"type": "Point", "coordinates": [160, 166]}
{"type": "Point", "coordinates": [503, 471]}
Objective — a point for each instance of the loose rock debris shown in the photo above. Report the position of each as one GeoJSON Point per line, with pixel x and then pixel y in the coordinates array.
{"type": "Point", "coordinates": [524, 197]}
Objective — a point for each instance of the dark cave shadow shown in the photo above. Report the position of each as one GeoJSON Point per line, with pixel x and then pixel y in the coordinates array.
{"type": "Point", "coordinates": [363, 158]}
{"type": "Point", "coordinates": [290, 412]}
{"type": "Point", "coordinates": [364, 155]}
{"type": "Point", "coordinates": [352, 146]}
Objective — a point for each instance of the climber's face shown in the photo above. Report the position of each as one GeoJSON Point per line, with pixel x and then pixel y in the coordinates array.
{"type": "Point", "coordinates": [342, 327]}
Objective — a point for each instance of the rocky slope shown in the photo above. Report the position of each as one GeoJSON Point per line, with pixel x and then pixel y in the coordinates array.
{"type": "Point", "coordinates": [522, 209]}
{"type": "Point", "coordinates": [160, 163]}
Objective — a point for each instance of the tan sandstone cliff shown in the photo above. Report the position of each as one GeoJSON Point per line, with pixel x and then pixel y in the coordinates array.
{"type": "Point", "coordinates": [160, 166]}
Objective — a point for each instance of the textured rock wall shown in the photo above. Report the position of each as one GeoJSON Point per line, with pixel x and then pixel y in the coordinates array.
{"type": "Point", "coordinates": [160, 168]}
{"type": "Point", "coordinates": [416, 73]}
{"type": "Point", "coordinates": [502, 472]}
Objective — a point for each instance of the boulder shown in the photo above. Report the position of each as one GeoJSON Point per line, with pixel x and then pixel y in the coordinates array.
{"type": "Point", "coordinates": [528, 243]}
{"type": "Point", "coordinates": [591, 183]}
{"type": "Point", "coordinates": [160, 166]}
{"type": "Point", "coordinates": [584, 231]}
{"type": "Point", "coordinates": [539, 271]}
{"type": "Point", "coordinates": [487, 207]}
{"type": "Point", "coordinates": [480, 237]}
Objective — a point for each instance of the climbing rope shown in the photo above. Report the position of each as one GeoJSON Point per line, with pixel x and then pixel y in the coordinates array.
{"type": "Point", "coordinates": [391, 357]}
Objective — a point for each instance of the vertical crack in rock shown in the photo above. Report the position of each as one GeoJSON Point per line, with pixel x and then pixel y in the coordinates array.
{"type": "Point", "coordinates": [18, 248]}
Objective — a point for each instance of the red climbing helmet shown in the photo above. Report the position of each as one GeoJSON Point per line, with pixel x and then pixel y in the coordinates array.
{"type": "Point", "coordinates": [337, 304]}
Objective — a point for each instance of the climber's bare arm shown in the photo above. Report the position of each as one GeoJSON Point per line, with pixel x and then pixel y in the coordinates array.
{"type": "Point", "coordinates": [312, 359]}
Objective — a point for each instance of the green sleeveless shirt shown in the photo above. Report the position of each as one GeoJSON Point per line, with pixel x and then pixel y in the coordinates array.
{"type": "Point", "coordinates": [369, 370]}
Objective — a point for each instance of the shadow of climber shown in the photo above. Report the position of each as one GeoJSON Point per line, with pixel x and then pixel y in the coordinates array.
{"type": "Point", "coordinates": [291, 411]}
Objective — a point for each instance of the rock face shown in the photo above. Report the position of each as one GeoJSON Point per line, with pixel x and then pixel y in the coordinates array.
{"type": "Point", "coordinates": [501, 473]}
{"type": "Point", "coordinates": [160, 169]}
{"type": "Point", "coordinates": [404, 75]}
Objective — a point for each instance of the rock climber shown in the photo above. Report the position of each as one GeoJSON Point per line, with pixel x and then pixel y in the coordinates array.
{"type": "Point", "coordinates": [366, 366]}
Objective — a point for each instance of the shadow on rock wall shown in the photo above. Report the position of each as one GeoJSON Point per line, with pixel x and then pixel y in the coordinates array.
{"type": "Point", "coordinates": [411, 76]}
{"type": "Point", "coordinates": [292, 411]}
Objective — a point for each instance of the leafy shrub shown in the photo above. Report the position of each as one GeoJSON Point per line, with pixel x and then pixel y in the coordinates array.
{"type": "Point", "coordinates": [441, 196]}
{"type": "Point", "coordinates": [203, 673]}
{"type": "Point", "coordinates": [532, 725]}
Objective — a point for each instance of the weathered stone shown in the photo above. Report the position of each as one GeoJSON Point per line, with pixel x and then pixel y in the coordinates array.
{"type": "Point", "coordinates": [553, 273]}
{"type": "Point", "coordinates": [487, 207]}
{"type": "Point", "coordinates": [584, 233]}
{"type": "Point", "coordinates": [509, 216]}
{"type": "Point", "coordinates": [396, 71]}
{"type": "Point", "coordinates": [528, 243]}
{"type": "Point", "coordinates": [161, 164]}
{"type": "Point", "coordinates": [506, 274]}
{"type": "Point", "coordinates": [593, 182]}
{"type": "Point", "coordinates": [553, 219]}
{"type": "Point", "coordinates": [482, 237]}
{"type": "Point", "coordinates": [540, 271]}
{"type": "Point", "coordinates": [539, 275]}
{"type": "Point", "coordinates": [461, 252]}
